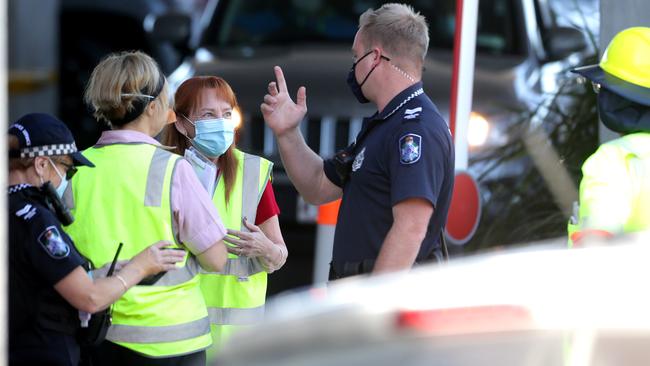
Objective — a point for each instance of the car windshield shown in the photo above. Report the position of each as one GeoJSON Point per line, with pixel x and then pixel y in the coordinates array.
{"type": "Point", "coordinates": [254, 23]}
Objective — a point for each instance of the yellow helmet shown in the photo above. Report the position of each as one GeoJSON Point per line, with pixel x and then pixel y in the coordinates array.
{"type": "Point", "coordinates": [625, 66]}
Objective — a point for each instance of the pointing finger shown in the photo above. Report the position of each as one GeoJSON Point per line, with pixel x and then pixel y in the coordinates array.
{"type": "Point", "coordinates": [279, 76]}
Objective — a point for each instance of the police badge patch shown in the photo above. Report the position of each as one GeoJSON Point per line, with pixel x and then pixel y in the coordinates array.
{"type": "Point", "coordinates": [53, 243]}
{"type": "Point", "coordinates": [358, 160]}
{"type": "Point", "coordinates": [410, 148]}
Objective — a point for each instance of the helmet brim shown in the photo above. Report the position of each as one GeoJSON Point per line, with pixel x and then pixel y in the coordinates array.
{"type": "Point", "coordinates": [633, 92]}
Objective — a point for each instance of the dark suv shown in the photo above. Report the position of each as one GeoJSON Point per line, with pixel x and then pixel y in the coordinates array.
{"type": "Point", "coordinates": [89, 30]}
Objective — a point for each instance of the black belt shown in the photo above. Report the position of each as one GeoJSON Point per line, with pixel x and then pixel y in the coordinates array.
{"type": "Point", "coordinates": [437, 255]}
{"type": "Point", "coordinates": [348, 269]}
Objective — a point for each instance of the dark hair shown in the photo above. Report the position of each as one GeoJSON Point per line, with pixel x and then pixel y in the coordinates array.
{"type": "Point", "coordinates": [18, 163]}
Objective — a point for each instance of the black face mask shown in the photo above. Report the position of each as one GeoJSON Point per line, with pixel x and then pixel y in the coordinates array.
{"type": "Point", "coordinates": [355, 87]}
{"type": "Point", "coordinates": [622, 115]}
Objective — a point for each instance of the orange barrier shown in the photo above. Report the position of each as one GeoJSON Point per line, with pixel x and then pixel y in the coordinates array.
{"type": "Point", "coordinates": [325, 228]}
{"type": "Point", "coordinates": [328, 213]}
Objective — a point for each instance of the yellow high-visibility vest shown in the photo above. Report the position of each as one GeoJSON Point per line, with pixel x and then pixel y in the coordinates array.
{"type": "Point", "coordinates": [615, 187]}
{"type": "Point", "coordinates": [126, 199]}
{"type": "Point", "coordinates": [236, 296]}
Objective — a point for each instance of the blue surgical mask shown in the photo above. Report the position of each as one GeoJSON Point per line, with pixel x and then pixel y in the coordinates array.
{"type": "Point", "coordinates": [213, 136]}
{"type": "Point", "coordinates": [64, 182]}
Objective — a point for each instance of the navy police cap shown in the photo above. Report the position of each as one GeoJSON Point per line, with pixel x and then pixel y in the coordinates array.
{"type": "Point", "coordinates": [41, 134]}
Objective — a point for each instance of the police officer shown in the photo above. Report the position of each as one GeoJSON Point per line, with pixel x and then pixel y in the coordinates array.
{"type": "Point", "coordinates": [396, 179]}
{"type": "Point", "coordinates": [48, 284]}
{"type": "Point", "coordinates": [615, 189]}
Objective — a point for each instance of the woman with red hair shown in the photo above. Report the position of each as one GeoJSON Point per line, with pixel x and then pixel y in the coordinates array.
{"type": "Point", "coordinates": [240, 185]}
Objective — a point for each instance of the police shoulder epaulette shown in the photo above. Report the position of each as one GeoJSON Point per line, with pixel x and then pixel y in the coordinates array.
{"type": "Point", "coordinates": [411, 114]}
{"type": "Point", "coordinates": [27, 212]}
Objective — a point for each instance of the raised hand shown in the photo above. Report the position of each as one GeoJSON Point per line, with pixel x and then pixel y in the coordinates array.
{"type": "Point", "coordinates": [280, 113]}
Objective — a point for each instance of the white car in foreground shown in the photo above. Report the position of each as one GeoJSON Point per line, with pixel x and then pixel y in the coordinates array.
{"type": "Point", "coordinates": [543, 305]}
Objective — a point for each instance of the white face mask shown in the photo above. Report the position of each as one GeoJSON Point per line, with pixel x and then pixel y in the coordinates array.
{"type": "Point", "coordinates": [64, 182]}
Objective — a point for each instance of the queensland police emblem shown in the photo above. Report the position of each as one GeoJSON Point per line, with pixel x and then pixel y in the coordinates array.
{"type": "Point", "coordinates": [53, 243]}
{"type": "Point", "coordinates": [410, 148]}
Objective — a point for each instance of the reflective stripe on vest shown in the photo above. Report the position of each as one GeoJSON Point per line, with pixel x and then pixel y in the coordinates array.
{"type": "Point", "coordinates": [236, 316]}
{"type": "Point", "coordinates": [127, 198]}
{"type": "Point", "coordinates": [251, 194]}
{"type": "Point", "coordinates": [158, 334]}
{"type": "Point", "coordinates": [242, 283]}
{"type": "Point", "coordinates": [615, 188]}
{"type": "Point", "coordinates": [244, 267]}
{"type": "Point", "coordinates": [156, 178]}
{"type": "Point", "coordinates": [241, 267]}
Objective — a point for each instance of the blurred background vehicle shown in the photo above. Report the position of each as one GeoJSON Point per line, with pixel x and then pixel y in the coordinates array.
{"type": "Point", "coordinates": [90, 30]}
{"type": "Point", "coordinates": [542, 305]}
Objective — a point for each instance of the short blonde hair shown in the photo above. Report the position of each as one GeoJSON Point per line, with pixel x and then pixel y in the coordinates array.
{"type": "Point", "coordinates": [397, 28]}
{"type": "Point", "coordinates": [121, 80]}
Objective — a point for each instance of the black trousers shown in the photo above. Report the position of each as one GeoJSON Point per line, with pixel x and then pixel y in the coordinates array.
{"type": "Point", "coordinates": [111, 354]}
{"type": "Point", "coordinates": [59, 351]}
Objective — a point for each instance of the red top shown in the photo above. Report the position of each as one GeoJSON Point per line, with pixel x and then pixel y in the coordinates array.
{"type": "Point", "coordinates": [267, 207]}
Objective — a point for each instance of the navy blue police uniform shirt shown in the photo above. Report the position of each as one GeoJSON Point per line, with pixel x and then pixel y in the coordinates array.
{"type": "Point", "coordinates": [407, 152]}
{"type": "Point", "coordinates": [42, 323]}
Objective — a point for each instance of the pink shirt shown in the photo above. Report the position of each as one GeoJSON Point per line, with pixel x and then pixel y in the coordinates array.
{"type": "Point", "coordinates": [195, 218]}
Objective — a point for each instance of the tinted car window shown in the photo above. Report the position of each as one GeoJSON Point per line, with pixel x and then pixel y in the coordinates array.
{"type": "Point", "coordinates": [253, 23]}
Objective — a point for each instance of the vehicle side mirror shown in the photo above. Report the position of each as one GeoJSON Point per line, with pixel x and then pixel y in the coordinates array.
{"type": "Point", "coordinates": [563, 41]}
{"type": "Point", "coordinates": [172, 27]}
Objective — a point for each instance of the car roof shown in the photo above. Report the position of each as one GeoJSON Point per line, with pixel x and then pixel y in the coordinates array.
{"type": "Point", "coordinates": [541, 289]}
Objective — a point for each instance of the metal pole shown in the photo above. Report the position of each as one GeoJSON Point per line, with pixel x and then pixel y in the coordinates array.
{"type": "Point", "coordinates": [463, 76]}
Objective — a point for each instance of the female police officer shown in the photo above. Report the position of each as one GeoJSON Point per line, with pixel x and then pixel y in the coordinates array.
{"type": "Point", "coordinates": [47, 281]}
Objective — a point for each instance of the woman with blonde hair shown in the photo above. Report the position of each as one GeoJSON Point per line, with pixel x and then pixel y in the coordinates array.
{"type": "Point", "coordinates": [137, 192]}
{"type": "Point", "coordinates": [240, 185]}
